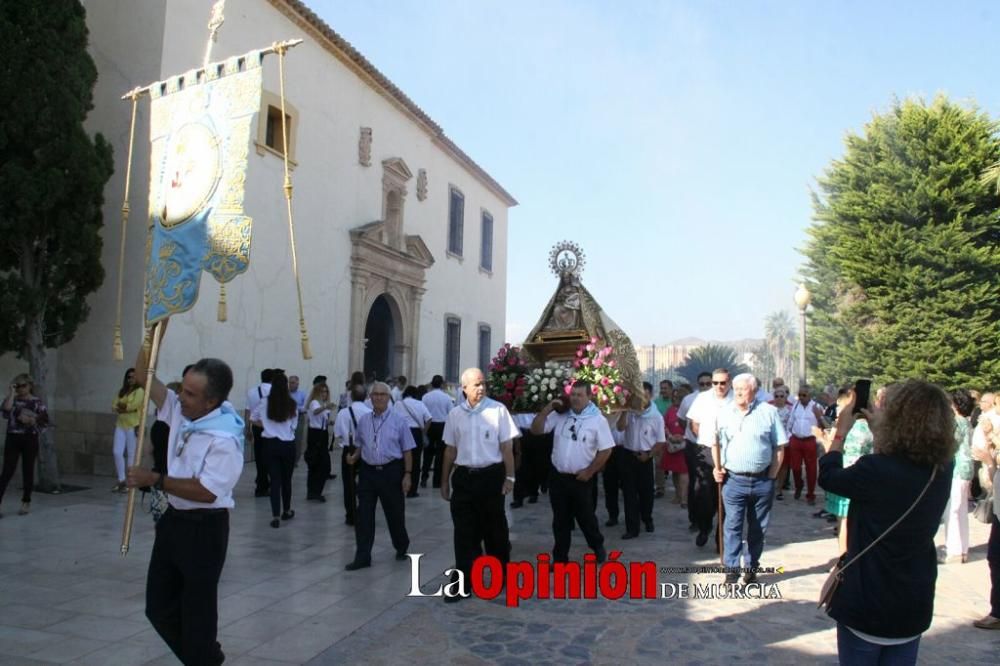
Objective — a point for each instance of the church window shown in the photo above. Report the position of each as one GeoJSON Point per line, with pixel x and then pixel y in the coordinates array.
{"type": "Point", "coordinates": [485, 347]}
{"type": "Point", "coordinates": [486, 248]}
{"type": "Point", "coordinates": [456, 221]}
{"type": "Point", "coordinates": [452, 346]}
{"type": "Point", "coordinates": [273, 137]}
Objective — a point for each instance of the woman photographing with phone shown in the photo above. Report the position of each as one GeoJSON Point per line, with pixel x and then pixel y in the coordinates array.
{"type": "Point", "coordinates": [26, 415]}
{"type": "Point", "coordinates": [897, 494]}
{"type": "Point", "coordinates": [127, 406]}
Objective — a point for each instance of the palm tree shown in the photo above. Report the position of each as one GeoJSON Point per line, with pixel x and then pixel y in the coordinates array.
{"type": "Point", "coordinates": [780, 337]}
{"type": "Point", "coordinates": [992, 176]}
{"type": "Point", "coordinates": [707, 359]}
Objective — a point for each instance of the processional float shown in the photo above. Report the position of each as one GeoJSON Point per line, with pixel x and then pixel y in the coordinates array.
{"type": "Point", "coordinates": [200, 123]}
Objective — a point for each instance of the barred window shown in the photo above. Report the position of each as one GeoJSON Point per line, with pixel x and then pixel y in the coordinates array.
{"type": "Point", "coordinates": [452, 348]}
{"type": "Point", "coordinates": [456, 221]}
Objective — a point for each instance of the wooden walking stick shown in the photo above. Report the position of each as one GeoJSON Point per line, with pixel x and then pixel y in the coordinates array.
{"type": "Point", "coordinates": [151, 347]}
{"type": "Point", "coordinates": [722, 557]}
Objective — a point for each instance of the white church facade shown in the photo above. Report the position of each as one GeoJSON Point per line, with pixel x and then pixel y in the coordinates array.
{"type": "Point", "coordinates": [401, 236]}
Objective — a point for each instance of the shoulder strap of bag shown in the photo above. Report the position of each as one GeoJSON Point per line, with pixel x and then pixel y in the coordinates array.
{"type": "Point", "coordinates": [409, 411]}
{"type": "Point", "coordinates": [898, 521]}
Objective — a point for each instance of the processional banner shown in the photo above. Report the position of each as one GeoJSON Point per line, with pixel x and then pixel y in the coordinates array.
{"type": "Point", "coordinates": [200, 139]}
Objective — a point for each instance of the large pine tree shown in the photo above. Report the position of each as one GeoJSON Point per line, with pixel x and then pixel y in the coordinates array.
{"type": "Point", "coordinates": [902, 257]}
{"type": "Point", "coordinates": [52, 177]}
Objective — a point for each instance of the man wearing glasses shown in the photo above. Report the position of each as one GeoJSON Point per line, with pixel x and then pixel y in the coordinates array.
{"type": "Point", "coordinates": [384, 444]}
{"type": "Point", "coordinates": [702, 420]}
{"type": "Point", "coordinates": [690, 440]}
{"type": "Point", "coordinates": [581, 447]}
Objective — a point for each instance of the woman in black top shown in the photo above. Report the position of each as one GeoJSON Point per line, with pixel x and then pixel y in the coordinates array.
{"type": "Point", "coordinates": [26, 415]}
{"type": "Point", "coordinates": [886, 599]}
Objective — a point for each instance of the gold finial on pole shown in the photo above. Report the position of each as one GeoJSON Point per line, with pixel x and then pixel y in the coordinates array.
{"type": "Point", "coordinates": [117, 349]}
{"type": "Point", "coordinates": [280, 49]}
{"type": "Point", "coordinates": [215, 22]}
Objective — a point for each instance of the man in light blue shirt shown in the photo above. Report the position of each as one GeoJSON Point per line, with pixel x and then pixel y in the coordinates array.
{"type": "Point", "coordinates": [747, 454]}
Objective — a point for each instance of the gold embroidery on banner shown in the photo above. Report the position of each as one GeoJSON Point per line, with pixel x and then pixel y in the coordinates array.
{"type": "Point", "coordinates": [165, 269]}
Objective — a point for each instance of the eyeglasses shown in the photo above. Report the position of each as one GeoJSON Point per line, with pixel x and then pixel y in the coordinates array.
{"type": "Point", "coordinates": [722, 383]}
{"type": "Point", "coordinates": [572, 430]}
{"type": "Point", "coordinates": [378, 394]}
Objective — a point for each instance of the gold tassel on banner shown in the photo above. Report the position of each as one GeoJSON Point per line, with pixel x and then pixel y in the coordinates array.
{"type": "Point", "coordinates": [280, 49]}
{"type": "Point", "coordinates": [118, 352]}
{"type": "Point", "coordinates": [222, 302]}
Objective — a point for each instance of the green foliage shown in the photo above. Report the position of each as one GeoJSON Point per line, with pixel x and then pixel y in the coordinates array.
{"type": "Point", "coordinates": [902, 257]}
{"type": "Point", "coordinates": [707, 359]}
{"type": "Point", "coordinates": [52, 174]}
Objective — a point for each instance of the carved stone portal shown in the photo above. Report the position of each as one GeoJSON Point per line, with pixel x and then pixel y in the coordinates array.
{"type": "Point", "coordinates": [397, 275]}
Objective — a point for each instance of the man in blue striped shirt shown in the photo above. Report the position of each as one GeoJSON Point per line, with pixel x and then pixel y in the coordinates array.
{"type": "Point", "coordinates": [749, 447]}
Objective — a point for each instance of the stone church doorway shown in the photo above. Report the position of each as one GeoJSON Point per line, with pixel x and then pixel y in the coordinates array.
{"type": "Point", "coordinates": [380, 340]}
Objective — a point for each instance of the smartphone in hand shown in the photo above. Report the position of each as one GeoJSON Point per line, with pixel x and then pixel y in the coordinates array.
{"type": "Point", "coordinates": [862, 395]}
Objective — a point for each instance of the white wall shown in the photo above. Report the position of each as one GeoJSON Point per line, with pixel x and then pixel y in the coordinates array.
{"type": "Point", "coordinates": [332, 195]}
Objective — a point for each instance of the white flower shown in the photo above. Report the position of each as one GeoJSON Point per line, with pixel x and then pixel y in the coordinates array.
{"type": "Point", "coordinates": [548, 372]}
{"type": "Point", "coordinates": [548, 397]}
{"type": "Point", "coordinates": [534, 389]}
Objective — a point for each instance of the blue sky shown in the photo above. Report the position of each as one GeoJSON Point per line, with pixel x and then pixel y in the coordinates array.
{"type": "Point", "coordinates": [677, 142]}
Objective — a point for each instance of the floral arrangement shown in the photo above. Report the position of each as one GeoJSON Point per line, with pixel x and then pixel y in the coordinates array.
{"type": "Point", "coordinates": [506, 377]}
{"type": "Point", "coordinates": [543, 385]}
{"type": "Point", "coordinates": [595, 364]}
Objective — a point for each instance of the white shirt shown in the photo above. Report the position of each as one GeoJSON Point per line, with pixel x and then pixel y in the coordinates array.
{"type": "Point", "coordinates": [283, 430]}
{"type": "Point", "coordinates": [215, 460]}
{"type": "Point", "coordinates": [682, 412]}
{"type": "Point", "coordinates": [396, 394]}
{"type": "Point", "coordinates": [318, 421]}
{"type": "Point", "coordinates": [570, 456]}
{"type": "Point", "coordinates": [763, 395]}
{"type": "Point", "coordinates": [343, 427]}
{"type": "Point", "coordinates": [413, 411]}
{"type": "Point", "coordinates": [704, 412]}
{"type": "Point", "coordinates": [643, 431]}
{"type": "Point", "coordinates": [477, 436]}
{"type": "Point", "coordinates": [802, 419]}
{"type": "Point", "coordinates": [300, 399]}
{"type": "Point", "coordinates": [256, 394]}
{"type": "Point", "coordinates": [439, 404]}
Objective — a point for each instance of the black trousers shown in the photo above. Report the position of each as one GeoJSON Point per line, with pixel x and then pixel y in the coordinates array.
{"type": "Point", "coordinates": [536, 459]}
{"type": "Point", "coordinates": [280, 465]}
{"type": "Point", "coordinates": [159, 435]}
{"type": "Point", "coordinates": [573, 500]}
{"type": "Point", "coordinates": [993, 559]}
{"type": "Point", "coordinates": [318, 460]}
{"type": "Point", "coordinates": [262, 482]}
{"type": "Point", "coordinates": [691, 458]}
{"type": "Point", "coordinates": [433, 456]}
{"type": "Point", "coordinates": [637, 486]}
{"type": "Point", "coordinates": [477, 512]}
{"type": "Point", "coordinates": [349, 478]}
{"type": "Point", "coordinates": [25, 447]}
{"type": "Point", "coordinates": [612, 481]}
{"type": "Point", "coordinates": [182, 586]}
{"type": "Point", "coordinates": [704, 498]}
{"type": "Point", "coordinates": [384, 484]}
{"type": "Point", "coordinates": [418, 437]}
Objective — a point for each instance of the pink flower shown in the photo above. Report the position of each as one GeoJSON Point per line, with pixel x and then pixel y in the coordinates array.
{"type": "Point", "coordinates": [584, 361]}
{"type": "Point", "coordinates": [594, 389]}
{"type": "Point", "coordinates": [509, 385]}
{"type": "Point", "coordinates": [618, 389]}
{"type": "Point", "coordinates": [593, 341]}
{"type": "Point", "coordinates": [568, 389]}
{"type": "Point", "coordinates": [605, 381]}
{"type": "Point", "coordinates": [590, 348]}
{"type": "Point", "coordinates": [579, 352]}
{"type": "Point", "coordinates": [607, 350]}
{"type": "Point", "coordinates": [612, 364]}
{"type": "Point", "coordinates": [598, 362]}
{"type": "Point", "coordinates": [576, 364]}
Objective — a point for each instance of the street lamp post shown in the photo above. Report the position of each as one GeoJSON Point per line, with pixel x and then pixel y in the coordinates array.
{"type": "Point", "coordinates": [802, 298]}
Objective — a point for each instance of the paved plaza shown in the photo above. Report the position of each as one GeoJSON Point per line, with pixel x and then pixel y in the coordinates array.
{"type": "Point", "coordinates": [66, 595]}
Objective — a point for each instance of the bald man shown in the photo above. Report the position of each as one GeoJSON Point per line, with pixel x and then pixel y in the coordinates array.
{"type": "Point", "coordinates": [479, 442]}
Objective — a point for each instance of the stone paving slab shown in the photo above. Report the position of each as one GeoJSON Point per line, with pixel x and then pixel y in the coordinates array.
{"type": "Point", "coordinates": [66, 595]}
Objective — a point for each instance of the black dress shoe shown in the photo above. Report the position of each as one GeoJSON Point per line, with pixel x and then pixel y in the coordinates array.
{"type": "Point", "coordinates": [321, 499]}
{"type": "Point", "coordinates": [453, 599]}
{"type": "Point", "coordinates": [629, 535]}
{"type": "Point", "coordinates": [288, 515]}
{"type": "Point", "coordinates": [275, 523]}
{"type": "Point", "coordinates": [749, 578]}
{"type": "Point", "coordinates": [354, 566]}
{"type": "Point", "coordinates": [611, 522]}
{"type": "Point", "coordinates": [732, 578]}
{"type": "Point", "coordinates": [413, 494]}
{"type": "Point", "coordinates": [516, 504]}
{"type": "Point", "coordinates": [400, 555]}
{"type": "Point", "coordinates": [649, 527]}
{"type": "Point", "coordinates": [702, 539]}
{"type": "Point", "coordinates": [602, 555]}
{"type": "Point", "coordinates": [331, 477]}
{"type": "Point", "coordinates": [533, 499]}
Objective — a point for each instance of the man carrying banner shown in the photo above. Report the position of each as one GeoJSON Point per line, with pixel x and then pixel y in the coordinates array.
{"type": "Point", "coordinates": [204, 461]}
